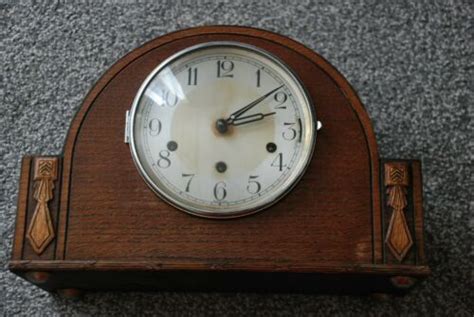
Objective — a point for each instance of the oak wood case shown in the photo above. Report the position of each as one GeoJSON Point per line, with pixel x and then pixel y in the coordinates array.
{"type": "Point", "coordinates": [113, 232]}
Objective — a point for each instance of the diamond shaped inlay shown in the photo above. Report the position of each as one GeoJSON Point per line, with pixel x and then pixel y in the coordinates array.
{"type": "Point", "coordinates": [40, 231]}
{"type": "Point", "coordinates": [398, 238]}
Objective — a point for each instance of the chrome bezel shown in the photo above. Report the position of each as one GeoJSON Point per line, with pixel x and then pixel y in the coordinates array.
{"type": "Point", "coordinates": [290, 183]}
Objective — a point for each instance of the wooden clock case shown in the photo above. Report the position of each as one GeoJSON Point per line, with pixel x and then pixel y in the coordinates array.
{"type": "Point", "coordinates": [87, 221]}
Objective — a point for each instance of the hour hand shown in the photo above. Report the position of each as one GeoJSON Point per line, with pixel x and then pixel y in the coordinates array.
{"type": "Point", "coordinates": [251, 118]}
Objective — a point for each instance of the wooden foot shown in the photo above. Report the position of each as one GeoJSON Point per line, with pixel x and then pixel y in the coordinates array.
{"type": "Point", "coordinates": [403, 282]}
{"type": "Point", "coordinates": [38, 277]}
{"type": "Point", "coordinates": [70, 293]}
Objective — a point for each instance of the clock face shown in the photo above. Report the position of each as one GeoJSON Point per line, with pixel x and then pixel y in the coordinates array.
{"type": "Point", "coordinates": [222, 130]}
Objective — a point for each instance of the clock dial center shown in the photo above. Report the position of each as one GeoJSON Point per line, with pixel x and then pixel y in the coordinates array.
{"type": "Point", "coordinates": [194, 127]}
{"type": "Point", "coordinates": [222, 126]}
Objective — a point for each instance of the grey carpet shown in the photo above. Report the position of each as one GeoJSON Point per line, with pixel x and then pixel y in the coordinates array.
{"type": "Point", "coordinates": [411, 62]}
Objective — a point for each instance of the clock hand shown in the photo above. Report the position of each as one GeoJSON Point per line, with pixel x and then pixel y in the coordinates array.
{"type": "Point", "coordinates": [250, 118]}
{"type": "Point", "coordinates": [242, 110]}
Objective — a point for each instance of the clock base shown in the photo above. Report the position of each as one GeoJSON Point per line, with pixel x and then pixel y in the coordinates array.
{"type": "Point", "coordinates": [70, 279]}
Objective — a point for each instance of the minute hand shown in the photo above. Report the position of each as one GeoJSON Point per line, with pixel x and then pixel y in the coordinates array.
{"type": "Point", "coordinates": [241, 111]}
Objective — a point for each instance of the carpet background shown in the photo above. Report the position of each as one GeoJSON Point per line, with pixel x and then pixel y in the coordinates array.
{"type": "Point", "coordinates": [411, 63]}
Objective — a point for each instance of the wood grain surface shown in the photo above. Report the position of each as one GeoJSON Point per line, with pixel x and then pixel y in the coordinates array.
{"type": "Point", "coordinates": [107, 217]}
{"type": "Point", "coordinates": [112, 210]}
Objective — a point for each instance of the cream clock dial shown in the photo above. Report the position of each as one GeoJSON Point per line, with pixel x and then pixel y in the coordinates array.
{"type": "Point", "coordinates": [222, 130]}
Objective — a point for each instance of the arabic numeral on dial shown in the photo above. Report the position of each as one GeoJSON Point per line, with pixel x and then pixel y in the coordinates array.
{"type": "Point", "coordinates": [253, 186]}
{"type": "Point", "coordinates": [278, 162]}
{"type": "Point", "coordinates": [164, 161]}
{"type": "Point", "coordinates": [290, 133]}
{"type": "Point", "coordinates": [168, 98]}
{"type": "Point", "coordinates": [219, 191]}
{"type": "Point", "coordinates": [154, 127]}
{"type": "Point", "coordinates": [280, 97]}
{"type": "Point", "coordinates": [224, 69]}
{"type": "Point", "coordinates": [192, 76]}
{"type": "Point", "coordinates": [188, 183]}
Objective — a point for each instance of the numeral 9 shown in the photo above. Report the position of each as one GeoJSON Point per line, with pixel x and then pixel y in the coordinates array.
{"type": "Point", "coordinates": [154, 127]}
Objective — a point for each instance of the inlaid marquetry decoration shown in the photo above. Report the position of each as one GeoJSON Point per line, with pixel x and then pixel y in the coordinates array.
{"type": "Point", "coordinates": [398, 236]}
{"type": "Point", "coordinates": [40, 231]}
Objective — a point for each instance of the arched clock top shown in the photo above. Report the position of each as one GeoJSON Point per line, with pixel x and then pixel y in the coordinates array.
{"type": "Point", "coordinates": [345, 154]}
{"type": "Point", "coordinates": [196, 35]}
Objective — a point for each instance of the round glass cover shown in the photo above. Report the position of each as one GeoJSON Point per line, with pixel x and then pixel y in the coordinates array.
{"type": "Point", "coordinates": [222, 130]}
